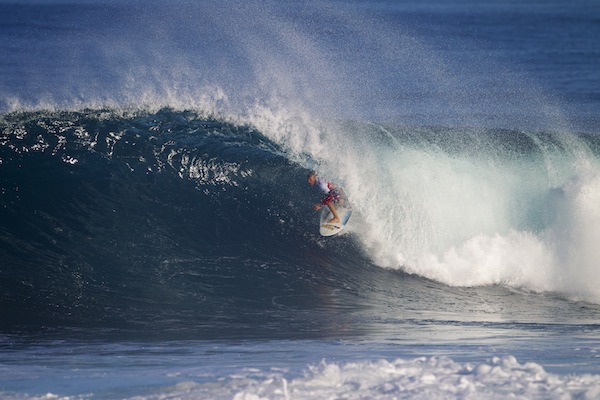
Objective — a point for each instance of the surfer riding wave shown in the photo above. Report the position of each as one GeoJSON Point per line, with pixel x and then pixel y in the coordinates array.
{"type": "Point", "coordinates": [332, 195]}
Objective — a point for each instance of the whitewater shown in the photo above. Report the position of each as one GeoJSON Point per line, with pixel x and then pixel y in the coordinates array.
{"type": "Point", "coordinates": [156, 232]}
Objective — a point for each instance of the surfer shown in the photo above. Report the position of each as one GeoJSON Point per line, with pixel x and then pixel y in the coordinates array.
{"type": "Point", "coordinates": [331, 197]}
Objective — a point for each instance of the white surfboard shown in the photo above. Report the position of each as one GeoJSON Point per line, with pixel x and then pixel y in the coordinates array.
{"type": "Point", "coordinates": [330, 229]}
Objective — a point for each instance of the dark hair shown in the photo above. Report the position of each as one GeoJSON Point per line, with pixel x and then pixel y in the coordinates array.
{"type": "Point", "coordinates": [311, 173]}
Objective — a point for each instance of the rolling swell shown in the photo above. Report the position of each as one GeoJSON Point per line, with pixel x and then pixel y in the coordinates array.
{"type": "Point", "coordinates": [155, 221]}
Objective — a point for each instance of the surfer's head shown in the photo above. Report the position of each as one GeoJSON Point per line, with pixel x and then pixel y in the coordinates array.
{"type": "Point", "coordinates": [312, 178]}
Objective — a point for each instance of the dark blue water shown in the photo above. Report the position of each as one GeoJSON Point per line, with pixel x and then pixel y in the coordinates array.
{"type": "Point", "coordinates": [156, 230]}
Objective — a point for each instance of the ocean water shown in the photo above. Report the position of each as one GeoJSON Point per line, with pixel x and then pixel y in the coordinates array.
{"type": "Point", "coordinates": [157, 239]}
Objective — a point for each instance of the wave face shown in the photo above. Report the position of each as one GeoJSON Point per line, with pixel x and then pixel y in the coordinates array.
{"type": "Point", "coordinates": [162, 218]}
{"type": "Point", "coordinates": [111, 218]}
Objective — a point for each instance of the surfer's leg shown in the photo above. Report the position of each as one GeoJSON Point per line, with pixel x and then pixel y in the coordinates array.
{"type": "Point", "coordinates": [336, 217]}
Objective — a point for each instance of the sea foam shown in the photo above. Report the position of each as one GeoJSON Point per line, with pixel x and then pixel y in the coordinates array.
{"type": "Point", "coordinates": [432, 378]}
